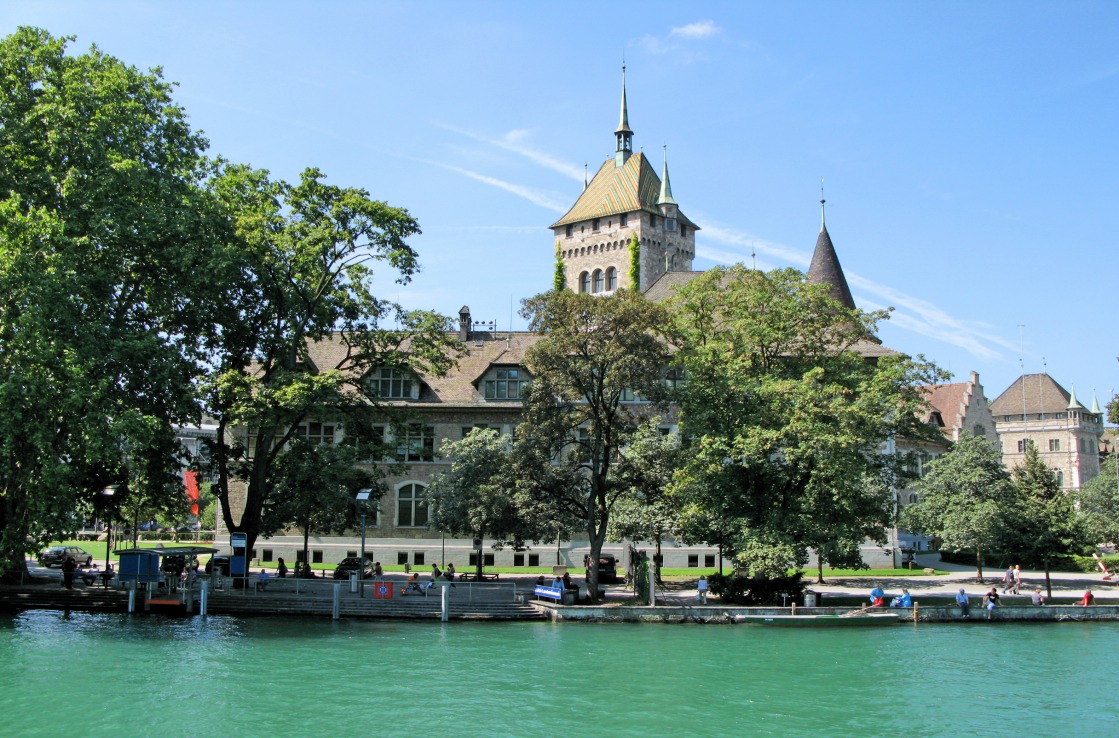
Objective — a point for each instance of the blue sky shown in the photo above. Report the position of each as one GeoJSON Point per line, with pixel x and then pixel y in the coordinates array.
{"type": "Point", "coordinates": [968, 150]}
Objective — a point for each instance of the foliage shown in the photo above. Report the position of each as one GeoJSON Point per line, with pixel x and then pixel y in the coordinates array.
{"type": "Point", "coordinates": [304, 276]}
{"type": "Point", "coordinates": [559, 276]}
{"type": "Point", "coordinates": [1099, 504]}
{"type": "Point", "coordinates": [1044, 522]}
{"type": "Point", "coordinates": [964, 498]}
{"type": "Point", "coordinates": [634, 263]}
{"type": "Point", "coordinates": [106, 244]}
{"type": "Point", "coordinates": [315, 485]}
{"type": "Point", "coordinates": [786, 419]}
{"type": "Point", "coordinates": [593, 358]}
{"type": "Point", "coordinates": [758, 590]}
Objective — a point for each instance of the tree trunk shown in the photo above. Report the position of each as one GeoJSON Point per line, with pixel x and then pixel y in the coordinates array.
{"type": "Point", "coordinates": [979, 563]}
{"type": "Point", "coordinates": [658, 563]}
{"type": "Point", "coordinates": [306, 546]}
{"type": "Point", "coordinates": [819, 569]}
{"type": "Point", "coordinates": [1048, 584]}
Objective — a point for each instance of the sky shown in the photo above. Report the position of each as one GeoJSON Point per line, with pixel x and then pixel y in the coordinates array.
{"type": "Point", "coordinates": [967, 151]}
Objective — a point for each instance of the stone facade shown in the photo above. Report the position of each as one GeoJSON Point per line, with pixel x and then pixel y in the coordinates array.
{"type": "Point", "coordinates": [1067, 434]}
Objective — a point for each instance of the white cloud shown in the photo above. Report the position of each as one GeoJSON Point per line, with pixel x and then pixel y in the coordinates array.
{"type": "Point", "coordinates": [537, 197]}
{"type": "Point", "coordinates": [699, 29]}
{"type": "Point", "coordinates": [511, 141]}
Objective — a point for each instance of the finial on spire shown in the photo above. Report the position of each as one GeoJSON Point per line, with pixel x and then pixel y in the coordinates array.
{"type": "Point", "coordinates": [623, 134]}
{"type": "Point", "coordinates": [586, 174]}
{"type": "Point", "coordinates": [823, 225]}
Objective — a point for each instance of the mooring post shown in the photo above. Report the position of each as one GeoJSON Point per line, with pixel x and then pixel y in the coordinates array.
{"type": "Point", "coordinates": [336, 611]}
{"type": "Point", "coordinates": [132, 597]}
{"type": "Point", "coordinates": [445, 602]}
{"type": "Point", "coordinates": [204, 598]}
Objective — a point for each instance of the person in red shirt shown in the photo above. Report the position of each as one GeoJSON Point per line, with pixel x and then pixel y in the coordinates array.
{"type": "Point", "coordinates": [1088, 598]}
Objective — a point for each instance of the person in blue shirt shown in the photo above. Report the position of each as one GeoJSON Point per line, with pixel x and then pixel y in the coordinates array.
{"type": "Point", "coordinates": [962, 601]}
{"type": "Point", "coordinates": [877, 596]}
{"type": "Point", "coordinates": [903, 600]}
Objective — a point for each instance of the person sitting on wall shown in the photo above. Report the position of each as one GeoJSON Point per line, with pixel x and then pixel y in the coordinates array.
{"type": "Point", "coordinates": [413, 585]}
{"type": "Point", "coordinates": [262, 581]}
{"type": "Point", "coordinates": [903, 600]}
{"type": "Point", "coordinates": [1037, 597]}
{"type": "Point", "coordinates": [567, 583]}
{"type": "Point", "coordinates": [1088, 598]}
{"type": "Point", "coordinates": [877, 596]}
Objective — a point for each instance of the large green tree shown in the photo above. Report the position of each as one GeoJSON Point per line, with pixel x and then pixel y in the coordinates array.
{"type": "Point", "coordinates": [1044, 523]}
{"type": "Point", "coordinates": [305, 265]}
{"type": "Point", "coordinates": [597, 358]}
{"type": "Point", "coordinates": [787, 407]}
{"type": "Point", "coordinates": [965, 499]}
{"type": "Point", "coordinates": [1099, 503]}
{"type": "Point", "coordinates": [107, 241]}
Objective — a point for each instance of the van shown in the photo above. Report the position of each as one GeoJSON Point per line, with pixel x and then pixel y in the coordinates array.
{"type": "Point", "coordinates": [607, 568]}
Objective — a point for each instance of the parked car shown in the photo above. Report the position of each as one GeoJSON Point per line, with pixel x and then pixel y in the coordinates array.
{"type": "Point", "coordinates": [607, 568]}
{"type": "Point", "coordinates": [352, 564]}
{"type": "Point", "coordinates": [55, 555]}
{"type": "Point", "coordinates": [222, 564]}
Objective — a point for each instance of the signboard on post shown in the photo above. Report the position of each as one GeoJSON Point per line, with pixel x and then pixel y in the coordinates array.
{"type": "Point", "coordinates": [382, 591]}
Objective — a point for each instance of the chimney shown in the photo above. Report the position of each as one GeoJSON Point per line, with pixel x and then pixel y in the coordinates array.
{"type": "Point", "coordinates": [464, 324]}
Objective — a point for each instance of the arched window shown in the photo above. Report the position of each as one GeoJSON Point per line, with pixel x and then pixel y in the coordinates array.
{"type": "Point", "coordinates": [584, 282]}
{"type": "Point", "coordinates": [611, 279]}
{"type": "Point", "coordinates": [598, 286]}
{"type": "Point", "coordinates": [914, 499]}
{"type": "Point", "coordinates": [411, 506]}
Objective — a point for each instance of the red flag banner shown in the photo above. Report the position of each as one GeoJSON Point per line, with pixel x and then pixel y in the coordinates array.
{"type": "Point", "coordinates": [190, 480]}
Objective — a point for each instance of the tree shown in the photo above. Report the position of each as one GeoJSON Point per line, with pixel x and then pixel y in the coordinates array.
{"type": "Point", "coordinates": [1044, 522]}
{"type": "Point", "coordinates": [646, 512]}
{"type": "Point", "coordinates": [315, 487]}
{"type": "Point", "coordinates": [559, 275]}
{"type": "Point", "coordinates": [478, 496]}
{"type": "Point", "coordinates": [786, 419]}
{"type": "Point", "coordinates": [106, 243]}
{"type": "Point", "coordinates": [1099, 504]}
{"type": "Point", "coordinates": [595, 358]}
{"type": "Point", "coordinates": [634, 263]}
{"type": "Point", "coordinates": [965, 499]}
{"type": "Point", "coordinates": [305, 253]}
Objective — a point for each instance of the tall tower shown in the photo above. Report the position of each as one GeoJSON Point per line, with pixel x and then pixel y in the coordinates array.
{"type": "Point", "coordinates": [625, 198]}
{"type": "Point", "coordinates": [825, 268]}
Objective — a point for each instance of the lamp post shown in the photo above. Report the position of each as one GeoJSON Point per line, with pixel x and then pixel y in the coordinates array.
{"type": "Point", "coordinates": [362, 497]}
{"type": "Point", "coordinates": [108, 493]}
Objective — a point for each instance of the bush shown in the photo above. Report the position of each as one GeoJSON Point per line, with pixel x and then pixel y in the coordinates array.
{"type": "Point", "coordinates": [755, 591]}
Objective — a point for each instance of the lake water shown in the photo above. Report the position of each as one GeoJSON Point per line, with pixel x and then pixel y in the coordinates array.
{"type": "Point", "coordinates": [82, 674]}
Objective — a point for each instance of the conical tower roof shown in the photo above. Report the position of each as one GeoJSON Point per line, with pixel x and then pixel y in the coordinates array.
{"type": "Point", "coordinates": [666, 186]}
{"type": "Point", "coordinates": [623, 119]}
{"type": "Point", "coordinates": [825, 268]}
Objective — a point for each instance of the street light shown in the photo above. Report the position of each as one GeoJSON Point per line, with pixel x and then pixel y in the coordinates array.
{"type": "Point", "coordinates": [108, 493]}
{"type": "Point", "coordinates": [362, 497]}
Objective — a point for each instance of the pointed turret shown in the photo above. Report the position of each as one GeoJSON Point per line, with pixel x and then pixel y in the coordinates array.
{"type": "Point", "coordinates": [623, 134]}
{"type": "Point", "coordinates": [1072, 402]}
{"type": "Point", "coordinates": [1095, 403]}
{"type": "Point", "coordinates": [825, 268]}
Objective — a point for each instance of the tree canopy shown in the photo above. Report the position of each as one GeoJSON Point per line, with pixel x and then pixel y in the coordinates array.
{"type": "Point", "coordinates": [786, 418]}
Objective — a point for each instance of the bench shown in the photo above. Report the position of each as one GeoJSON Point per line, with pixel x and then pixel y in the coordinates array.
{"type": "Point", "coordinates": [548, 593]}
{"type": "Point", "coordinates": [472, 577]}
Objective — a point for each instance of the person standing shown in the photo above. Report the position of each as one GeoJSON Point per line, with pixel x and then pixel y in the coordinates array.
{"type": "Point", "coordinates": [378, 572]}
{"type": "Point", "coordinates": [68, 567]}
{"type": "Point", "coordinates": [965, 605]}
{"type": "Point", "coordinates": [1017, 578]}
{"type": "Point", "coordinates": [281, 568]}
{"type": "Point", "coordinates": [701, 590]}
{"type": "Point", "coordinates": [1008, 579]}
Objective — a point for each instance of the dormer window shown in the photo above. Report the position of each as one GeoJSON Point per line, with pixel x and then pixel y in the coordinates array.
{"type": "Point", "coordinates": [595, 224]}
{"type": "Point", "coordinates": [505, 384]}
{"type": "Point", "coordinates": [391, 383]}
{"type": "Point", "coordinates": [623, 220]}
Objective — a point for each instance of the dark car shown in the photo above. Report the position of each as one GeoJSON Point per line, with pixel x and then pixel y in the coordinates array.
{"type": "Point", "coordinates": [55, 555]}
{"type": "Point", "coordinates": [221, 563]}
{"type": "Point", "coordinates": [607, 568]}
{"type": "Point", "coordinates": [351, 564]}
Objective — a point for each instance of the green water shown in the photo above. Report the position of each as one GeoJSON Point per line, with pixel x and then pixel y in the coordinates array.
{"type": "Point", "coordinates": [113, 675]}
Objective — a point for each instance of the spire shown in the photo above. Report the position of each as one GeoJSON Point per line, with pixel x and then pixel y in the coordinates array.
{"type": "Point", "coordinates": [1073, 404]}
{"type": "Point", "coordinates": [825, 268]}
{"type": "Point", "coordinates": [666, 186]}
{"type": "Point", "coordinates": [623, 135]}
{"type": "Point", "coordinates": [1095, 403]}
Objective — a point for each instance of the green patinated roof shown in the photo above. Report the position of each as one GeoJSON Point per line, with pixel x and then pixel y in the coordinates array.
{"type": "Point", "coordinates": [614, 190]}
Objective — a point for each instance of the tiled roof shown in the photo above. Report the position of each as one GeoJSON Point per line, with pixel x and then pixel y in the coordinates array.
{"type": "Point", "coordinates": [825, 269]}
{"type": "Point", "coordinates": [1042, 395]}
{"type": "Point", "coordinates": [950, 400]}
{"type": "Point", "coordinates": [614, 190]}
{"type": "Point", "coordinates": [458, 386]}
{"type": "Point", "coordinates": [667, 284]}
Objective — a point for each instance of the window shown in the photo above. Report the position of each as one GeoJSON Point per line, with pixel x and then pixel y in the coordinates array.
{"type": "Point", "coordinates": [316, 433]}
{"type": "Point", "coordinates": [693, 561]}
{"type": "Point", "coordinates": [518, 559]}
{"type": "Point", "coordinates": [417, 444]}
{"type": "Point", "coordinates": [487, 559]}
{"type": "Point", "coordinates": [709, 560]}
{"type": "Point", "coordinates": [534, 559]}
{"type": "Point", "coordinates": [418, 557]}
{"type": "Point", "coordinates": [570, 231]}
{"type": "Point", "coordinates": [683, 230]}
{"type": "Point", "coordinates": [401, 558]}
{"type": "Point", "coordinates": [316, 556]}
{"type": "Point", "coordinates": [670, 224]}
{"type": "Point", "coordinates": [1022, 445]}
{"type": "Point", "coordinates": [652, 220]}
{"type": "Point", "coordinates": [1054, 444]}
{"type": "Point", "coordinates": [1060, 478]}
{"type": "Point", "coordinates": [611, 279]}
{"type": "Point", "coordinates": [674, 378]}
{"type": "Point", "coordinates": [594, 224]}
{"type": "Point", "coordinates": [389, 383]}
{"type": "Point", "coordinates": [623, 220]}
{"type": "Point", "coordinates": [351, 554]}
{"type": "Point", "coordinates": [629, 395]}
{"type": "Point", "coordinates": [585, 282]}
{"type": "Point", "coordinates": [979, 430]}
{"type": "Point", "coordinates": [267, 555]}
{"type": "Point", "coordinates": [468, 429]}
{"type": "Point", "coordinates": [411, 507]}
{"type": "Point", "coordinates": [598, 282]}
{"type": "Point", "coordinates": [505, 384]}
